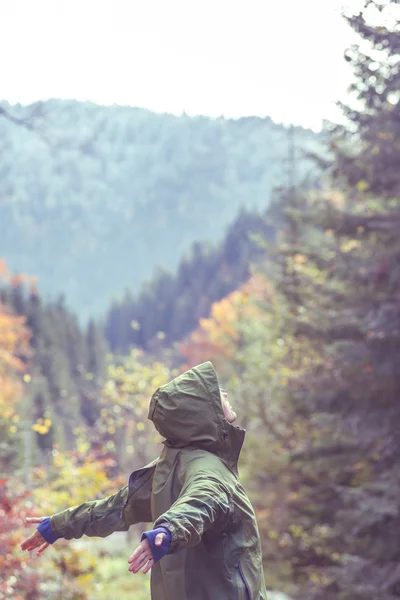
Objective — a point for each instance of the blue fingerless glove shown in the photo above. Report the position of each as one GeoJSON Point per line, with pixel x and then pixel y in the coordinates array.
{"type": "Point", "coordinates": [45, 529]}
{"type": "Point", "coordinates": [157, 551]}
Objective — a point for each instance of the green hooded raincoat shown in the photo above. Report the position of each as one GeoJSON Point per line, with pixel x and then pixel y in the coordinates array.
{"type": "Point", "coordinates": [193, 490]}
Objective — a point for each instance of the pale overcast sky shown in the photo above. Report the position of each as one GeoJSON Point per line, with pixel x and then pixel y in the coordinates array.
{"type": "Point", "coordinates": [281, 58]}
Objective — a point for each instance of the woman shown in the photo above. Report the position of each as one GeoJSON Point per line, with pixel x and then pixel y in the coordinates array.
{"type": "Point", "coordinates": [205, 542]}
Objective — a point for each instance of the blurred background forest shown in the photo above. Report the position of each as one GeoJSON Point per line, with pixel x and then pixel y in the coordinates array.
{"type": "Point", "coordinates": [134, 245]}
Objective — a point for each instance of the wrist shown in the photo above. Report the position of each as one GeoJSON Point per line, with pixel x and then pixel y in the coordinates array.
{"type": "Point", "coordinates": [47, 532]}
{"type": "Point", "coordinates": [158, 551]}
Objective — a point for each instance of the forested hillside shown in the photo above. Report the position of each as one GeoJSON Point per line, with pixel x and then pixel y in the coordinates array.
{"type": "Point", "coordinates": [66, 364]}
{"type": "Point", "coordinates": [170, 305]}
{"type": "Point", "coordinates": [98, 196]}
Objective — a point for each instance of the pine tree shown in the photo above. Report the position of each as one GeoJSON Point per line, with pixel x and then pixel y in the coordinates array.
{"type": "Point", "coordinates": [373, 162]}
{"type": "Point", "coordinates": [341, 272]}
{"type": "Point", "coordinates": [96, 350]}
{"type": "Point", "coordinates": [68, 365]}
{"type": "Point", "coordinates": [92, 373]}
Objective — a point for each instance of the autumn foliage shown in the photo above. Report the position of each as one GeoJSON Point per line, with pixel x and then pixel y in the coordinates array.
{"type": "Point", "coordinates": [14, 346]}
{"type": "Point", "coordinates": [18, 581]}
{"type": "Point", "coordinates": [218, 336]}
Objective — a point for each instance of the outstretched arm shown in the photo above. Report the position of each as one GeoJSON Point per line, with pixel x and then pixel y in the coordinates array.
{"type": "Point", "coordinates": [203, 502]}
{"type": "Point", "coordinates": [95, 518]}
{"type": "Point", "coordinates": [131, 504]}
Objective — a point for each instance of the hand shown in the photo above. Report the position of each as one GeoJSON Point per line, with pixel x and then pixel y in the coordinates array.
{"type": "Point", "coordinates": [36, 540]}
{"type": "Point", "coordinates": [142, 558]}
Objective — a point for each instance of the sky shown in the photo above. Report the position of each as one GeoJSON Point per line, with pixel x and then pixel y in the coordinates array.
{"type": "Point", "coordinates": [277, 58]}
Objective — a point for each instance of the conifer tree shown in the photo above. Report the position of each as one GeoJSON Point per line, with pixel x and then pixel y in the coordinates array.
{"type": "Point", "coordinates": [345, 262]}
{"type": "Point", "coordinates": [372, 163]}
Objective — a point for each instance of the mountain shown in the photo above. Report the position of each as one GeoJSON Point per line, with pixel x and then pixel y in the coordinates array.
{"type": "Point", "coordinates": [96, 197]}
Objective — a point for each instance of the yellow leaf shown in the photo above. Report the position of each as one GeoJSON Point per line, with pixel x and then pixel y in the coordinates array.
{"type": "Point", "coordinates": [349, 245]}
{"type": "Point", "coordinates": [362, 185]}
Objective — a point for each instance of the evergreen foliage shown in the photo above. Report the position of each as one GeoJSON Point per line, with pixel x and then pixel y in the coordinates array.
{"type": "Point", "coordinates": [338, 269]}
{"type": "Point", "coordinates": [169, 307]}
{"type": "Point", "coordinates": [367, 153]}
{"type": "Point", "coordinates": [67, 365]}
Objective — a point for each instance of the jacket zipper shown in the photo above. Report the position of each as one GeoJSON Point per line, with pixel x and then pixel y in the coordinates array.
{"type": "Point", "coordinates": [246, 587]}
{"type": "Point", "coordinates": [132, 492]}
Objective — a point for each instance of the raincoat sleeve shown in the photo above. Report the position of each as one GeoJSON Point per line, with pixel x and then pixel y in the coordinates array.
{"type": "Point", "coordinates": [130, 505]}
{"type": "Point", "coordinates": [95, 518]}
{"type": "Point", "coordinates": [204, 502]}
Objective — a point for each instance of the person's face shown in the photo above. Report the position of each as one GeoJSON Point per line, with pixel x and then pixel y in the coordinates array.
{"type": "Point", "coordinates": [229, 413]}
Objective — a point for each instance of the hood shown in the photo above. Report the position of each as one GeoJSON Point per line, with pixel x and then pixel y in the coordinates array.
{"type": "Point", "coordinates": [188, 412]}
